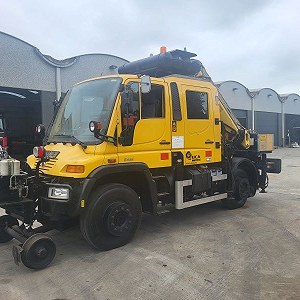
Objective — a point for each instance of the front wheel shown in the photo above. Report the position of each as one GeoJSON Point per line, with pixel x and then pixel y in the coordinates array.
{"type": "Point", "coordinates": [112, 217]}
{"type": "Point", "coordinates": [241, 190]}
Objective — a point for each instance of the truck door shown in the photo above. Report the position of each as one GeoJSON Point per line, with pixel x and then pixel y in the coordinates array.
{"type": "Point", "coordinates": [202, 137]}
{"type": "Point", "coordinates": [145, 126]}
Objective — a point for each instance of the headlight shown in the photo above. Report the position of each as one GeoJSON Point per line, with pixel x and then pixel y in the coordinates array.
{"type": "Point", "coordinates": [92, 126]}
{"type": "Point", "coordinates": [58, 193]}
{"type": "Point", "coordinates": [95, 126]}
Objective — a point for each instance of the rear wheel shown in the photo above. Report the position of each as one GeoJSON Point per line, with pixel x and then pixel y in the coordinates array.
{"type": "Point", "coordinates": [112, 217]}
{"type": "Point", "coordinates": [241, 190]}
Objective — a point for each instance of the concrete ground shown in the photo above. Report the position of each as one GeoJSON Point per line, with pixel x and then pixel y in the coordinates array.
{"type": "Point", "coordinates": [204, 252]}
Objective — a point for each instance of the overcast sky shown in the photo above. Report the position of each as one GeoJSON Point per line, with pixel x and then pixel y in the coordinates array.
{"type": "Point", "coordinates": [255, 42]}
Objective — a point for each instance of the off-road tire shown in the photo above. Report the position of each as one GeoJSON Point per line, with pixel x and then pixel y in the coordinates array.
{"type": "Point", "coordinates": [241, 190]}
{"type": "Point", "coordinates": [112, 217]}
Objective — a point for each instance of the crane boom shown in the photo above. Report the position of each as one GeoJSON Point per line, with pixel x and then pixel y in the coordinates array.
{"type": "Point", "coordinates": [234, 131]}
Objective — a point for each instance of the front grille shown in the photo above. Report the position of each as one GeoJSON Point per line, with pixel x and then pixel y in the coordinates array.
{"type": "Point", "coordinates": [48, 165]}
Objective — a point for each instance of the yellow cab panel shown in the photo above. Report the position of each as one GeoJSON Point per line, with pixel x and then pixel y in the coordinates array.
{"type": "Point", "coordinates": [196, 134]}
{"type": "Point", "coordinates": [148, 126]}
{"type": "Point", "coordinates": [69, 155]}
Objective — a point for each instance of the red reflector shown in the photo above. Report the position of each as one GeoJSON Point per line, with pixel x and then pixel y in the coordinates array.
{"type": "Point", "coordinates": [208, 153]}
{"type": "Point", "coordinates": [39, 152]}
{"type": "Point", "coordinates": [3, 141]}
{"type": "Point", "coordinates": [164, 156]}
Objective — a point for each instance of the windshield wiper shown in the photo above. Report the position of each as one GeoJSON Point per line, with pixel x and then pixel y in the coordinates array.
{"type": "Point", "coordinates": [82, 144]}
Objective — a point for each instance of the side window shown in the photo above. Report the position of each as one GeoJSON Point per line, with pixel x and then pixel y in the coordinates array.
{"type": "Point", "coordinates": [153, 103]}
{"type": "Point", "coordinates": [131, 110]}
{"type": "Point", "coordinates": [197, 105]}
{"type": "Point", "coordinates": [130, 114]}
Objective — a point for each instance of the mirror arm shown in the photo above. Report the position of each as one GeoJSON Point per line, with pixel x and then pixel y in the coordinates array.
{"type": "Point", "coordinates": [106, 138]}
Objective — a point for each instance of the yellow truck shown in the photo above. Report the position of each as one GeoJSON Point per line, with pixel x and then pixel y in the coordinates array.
{"type": "Point", "coordinates": [155, 137]}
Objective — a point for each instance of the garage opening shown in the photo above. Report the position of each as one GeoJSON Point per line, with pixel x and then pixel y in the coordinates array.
{"type": "Point", "coordinates": [292, 128]}
{"type": "Point", "coordinates": [20, 112]}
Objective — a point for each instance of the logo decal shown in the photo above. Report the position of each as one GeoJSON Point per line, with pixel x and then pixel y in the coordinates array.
{"type": "Point", "coordinates": [191, 157]}
{"type": "Point", "coordinates": [51, 154]}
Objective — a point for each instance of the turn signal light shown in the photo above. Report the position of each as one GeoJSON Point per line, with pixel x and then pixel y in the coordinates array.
{"type": "Point", "coordinates": [75, 169]}
{"type": "Point", "coordinates": [163, 49]}
{"type": "Point", "coordinates": [39, 152]}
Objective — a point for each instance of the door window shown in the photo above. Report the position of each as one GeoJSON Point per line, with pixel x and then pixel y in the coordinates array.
{"type": "Point", "coordinates": [197, 105]}
{"type": "Point", "coordinates": [153, 103]}
{"type": "Point", "coordinates": [131, 109]}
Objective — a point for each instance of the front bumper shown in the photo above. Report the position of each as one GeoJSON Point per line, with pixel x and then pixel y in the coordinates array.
{"type": "Point", "coordinates": [55, 209]}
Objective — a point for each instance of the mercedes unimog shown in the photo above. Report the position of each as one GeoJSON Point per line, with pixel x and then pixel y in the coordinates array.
{"type": "Point", "coordinates": [156, 136]}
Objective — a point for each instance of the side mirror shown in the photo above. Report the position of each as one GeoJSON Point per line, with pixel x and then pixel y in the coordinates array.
{"type": "Point", "coordinates": [40, 131]}
{"type": "Point", "coordinates": [145, 84]}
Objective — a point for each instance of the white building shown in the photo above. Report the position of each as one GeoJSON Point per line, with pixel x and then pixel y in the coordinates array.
{"type": "Point", "coordinates": [264, 110]}
{"type": "Point", "coordinates": [30, 81]}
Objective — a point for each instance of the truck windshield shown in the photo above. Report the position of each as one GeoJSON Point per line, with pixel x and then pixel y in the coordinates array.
{"type": "Point", "coordinates": [85, 102]}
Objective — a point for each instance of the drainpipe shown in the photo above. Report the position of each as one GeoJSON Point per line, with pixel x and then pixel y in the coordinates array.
{"type": "Point", "coordinates": [282, 124]}
{"type": "Point", "coordinates": [58, 83]}
{"type": "Point", "coordinates": [252, 114]}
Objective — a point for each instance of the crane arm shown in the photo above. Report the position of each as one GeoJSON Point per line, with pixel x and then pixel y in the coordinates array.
{"type": "Point", "coordinates": [234, 132]}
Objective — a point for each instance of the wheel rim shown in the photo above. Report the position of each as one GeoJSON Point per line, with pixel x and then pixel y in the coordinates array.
{"type": "Point", "coordinates": [119, 219]}
{"type": "Point", "coordinates": [41, 252]}
{"type": "Point", "coordinates": [244, 188]}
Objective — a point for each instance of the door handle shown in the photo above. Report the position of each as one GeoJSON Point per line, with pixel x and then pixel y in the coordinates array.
{"type": "Point", "coordinates": [164, 142]}
{"type": "Point", "coordinates": [209, 142]}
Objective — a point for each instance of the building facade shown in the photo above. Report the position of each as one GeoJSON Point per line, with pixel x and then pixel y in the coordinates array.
{"type": "Point", "coordinates": [30, 82]}
{"type": "Point", "coordinates": [265, 111]}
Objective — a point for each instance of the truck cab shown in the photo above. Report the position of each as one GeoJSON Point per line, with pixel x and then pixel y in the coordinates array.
{"type": "Point", "coordinates": [145, 129]}
{"type": "Point", "coordinates": [174, 124]}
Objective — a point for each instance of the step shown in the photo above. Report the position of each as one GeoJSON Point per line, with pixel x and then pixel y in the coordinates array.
{"type": "Point", "coordinates": [158, 177]}
{"type": "Point", "coordinates": [164, 209]}
{"type": "Point", "coordinates": [160, 195]}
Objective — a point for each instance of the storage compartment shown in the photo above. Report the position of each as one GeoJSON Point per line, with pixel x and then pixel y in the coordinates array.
{"type": "Point", "coordinates": [265, 142]}
{"type": "Point", "coordinates": [201, 179]}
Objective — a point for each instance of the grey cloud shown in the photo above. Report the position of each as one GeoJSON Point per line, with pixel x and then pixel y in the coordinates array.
{"type": "Point", "coordinates": [255, 42]}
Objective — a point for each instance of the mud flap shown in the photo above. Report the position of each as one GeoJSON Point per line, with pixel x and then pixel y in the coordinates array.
{"type": "Point", "coordinates": [16, 251]}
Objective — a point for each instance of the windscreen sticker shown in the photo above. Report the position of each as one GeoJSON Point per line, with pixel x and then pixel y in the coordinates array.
{"type": "Point", "coordinates": [177, 142]}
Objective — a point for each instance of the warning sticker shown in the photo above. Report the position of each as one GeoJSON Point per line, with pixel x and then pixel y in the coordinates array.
{"type": "Point", "coordinates": [177, 142]}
